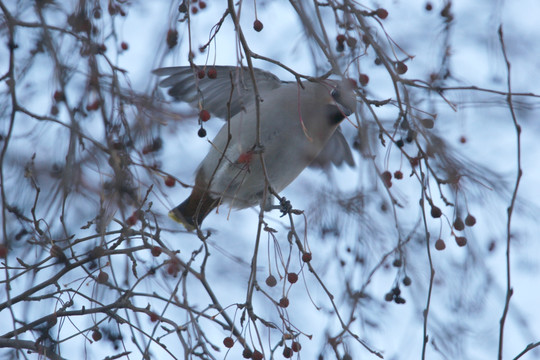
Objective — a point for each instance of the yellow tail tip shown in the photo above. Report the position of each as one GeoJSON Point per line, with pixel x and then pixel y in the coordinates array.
{"type": "Point", "coordinates": [181, 220]}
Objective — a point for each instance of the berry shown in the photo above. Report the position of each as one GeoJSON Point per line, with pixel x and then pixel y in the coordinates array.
{"type": "Point", "coordinates": [461, 241]}
{"type": "Point", "coordinates": [132, 220]}
{"type": "Point", "coordinates": [212, 73]}
{"type": "Point", "coordinates": [397, 263]}
{"type": "Point", "coordinates": [59, 96]}
{"type": "Point", "coordinates": [388, 296]}
{"type": "Point", "coordinates": [292, 277]}
{"type": "Point", "coordinates": [429, 6]}
{"type": "Point", "coordinates": [169, 181]}
{"type": "Point", "coordinates": [201, 74]}
{"type": "Point", "coordinates": [56, 251]}
{"type": "Point", "coordinates": [377, 61]}
{"type": "Point", "coordinates": [204, 115]}
{"type": "Point", "coordinates": [257, 355]}
{"type": "Point", "coordinates": [398, 175]}
{"type": "Point", "coordinates": [202, 5]}
{"type": "Point", "coordinates": [102, 277]}
{"type": "Point", "coordinates": [271, 281]}
{"type": "Point", "coordinates": [156, 251]}
{"type": "Point", "coordinates": [172, 38]}
{"type": "Point", "coordinates": [124, 45]}
{"type": "Point", "coordinates": [427, 123]}
{"type": "Point", "coordinates": [458, 224]}
{"type": "Point", "coordinates": [364, 79]}
{"type": "Point", "coordinates": [295, 346]}
{"type": "Point", "coordinates": [194, 10]}
{"type": "Point", "coordinates": [400, 143]}
{"type": "Point", "coordinates": [284, 302]}
{"type": "Point", "coordinates": [306, 257]}
{"type": "Point", "coordinates": [154, 317]}
{"type": "Point", "coordinates": [463, 139]}
{"type": "Point", "coordinates": [399, 300]}
{"type": "Point", "coordinates": [257, 25]}
{"type": "Point", "coordinates": [54, 110]}
{"type": "Point", "coordinates": [401, 68]}
{"type": "Point", "coordinates": [381, 13]}
{"type": "Point", "coordinates": [407, 281]}
{"type": "Point", "coordinates": [287, 352]}
{"type": "Point", "coordinates": [341, 38]}
{"type": "Point", "coordinates": [228, 342]}
{"type": "Point", "coordinates": [440, 245]}
{"type": "Point", "coordinates": [470, 220]}
{"type": "Point", "coordinates": [386, 175]}
{"type": "Point", "coordinates": [436, 212]}
{"type": "Point", "coordinates": [340, 47]}
{"type": "Point", "coordinates": [201, 133]}
{"type": "Point", "coordinates": [3, 251]}
{"type": "Point", "coordinates": [247, 354]}
{"type": "Point", "coordinates": [96, 335]}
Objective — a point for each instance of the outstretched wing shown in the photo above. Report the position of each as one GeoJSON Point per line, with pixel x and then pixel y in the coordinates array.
{"type": "Point", "coordinates": [215, 94]}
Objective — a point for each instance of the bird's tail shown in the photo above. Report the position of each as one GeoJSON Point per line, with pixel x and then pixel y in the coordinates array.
{"type": "Point", "coordinates": [193, 210]}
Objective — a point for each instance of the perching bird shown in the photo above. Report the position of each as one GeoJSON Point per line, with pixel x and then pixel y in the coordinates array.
{"type": "Point", "coordinates": [299, 126]}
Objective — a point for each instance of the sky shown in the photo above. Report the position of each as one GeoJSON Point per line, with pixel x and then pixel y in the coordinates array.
{"type": "Point", "coordinates": [469, 283]}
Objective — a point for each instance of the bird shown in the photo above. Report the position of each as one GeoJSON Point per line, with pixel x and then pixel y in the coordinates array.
{"type": "Point", "coordinates": [298, 123]}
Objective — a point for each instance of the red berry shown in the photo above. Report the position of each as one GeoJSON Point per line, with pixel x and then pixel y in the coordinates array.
{"type": "Point", "coordinates": [440, 245]}
{"type": "Point", "coordinates": [212, 73]}
{"type": "Point", "coordinates": [284, 302]}
{"type": "Point", "coordinates": [306, 257]}
{"type": "Point", "coordinates": [228, 342]}
{"type": "Point", "coordinates": [169, 181]}
{"type": "Point", "coordinates": [295, 346]}
{"type": "Point", "coordinates": [194, 10]}
{"type": "Point", "coordinates": [257, 25]}
{"type": "Point", "coordinates": [102, 277]}
{"type": "Point", "coordinates": [461, 240]}
{"type": "Point", "coordinates": [470, 220]}
{"type": "Point", "coordinates": [463, 139]}
{"type": "Point", "coordinates": [292, 277]}
{"type": "Point", "coordinates": [364, 79]}
{"type": "Point", "coordinates": [132, 220]}
{"type": "Point", "coordinates": [341, 38]}
{"type": "Point", "coordinates": [202, 5]}
{"type": "Point", "coordinates": [54, 110]}
{"type": "Point", "coordinates": [96, 335]}
{"type": "Point", "coordinates": [154, 317]}
{"type": "Point", "coordinates": [458, 224]}
{"type": "Point", "coordinates": [59, 96]}
{"type": "Point", "coordinates": [271, 281]}
{"type": "Point", "coordinates": [257, 355]}
{"type": "Point", "coordinates": [3, 251]}
{"type": "Point", "coordinates": [401, 68]}
{"type": "Point", "coordinates": [386, 176]}
{"type": "Point", "coordinates": [382, 13]}
{"type": "Point", "coordinates": [287, 352]}
{"type": "Point", "coordinates": [351, 42]}
{"type": "Point", "coordinates": [124, 45]}
{"type": "Point", "coordinates": [204, 115]}
{"type": "Point", "coordinates": [172, 38]}
{"type": "Point", "coordinates": [398, 175]}
{"type": "Point", "coordinates": [436, 212]}
{"type": "Point", "coordinates": [156, 251]}
{"type": "Point", "coordinates": [429, 6]}
{"type": "Point", "coordinates": [247, 354]}
{"type": "Point", "coordinates": [201, 74]}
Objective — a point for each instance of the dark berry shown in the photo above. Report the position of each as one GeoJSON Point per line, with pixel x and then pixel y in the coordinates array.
{"type": "Point", "coordinates": [271, 281]}
{"type": "Point", "coordinates": [295, 346]}
{"type": "Point", "coordinates": [407, 281]}
{"type": "Point", "coordinates": [470, 220]}
{"type": "Point", "coordinates": [401, 68]}
{"type": "Point", "coordinates": [169, 181]}
{"type": "Point", "coordinates": [96, 335]}
{"type": "Point", "coordinates": [228, 342]}
{"type": "Point", "coordinates": [458, 224]}
{"type": "Point", "coordinates": [292, 277]}
{"type": "Point", "coordinates": [212, 73]}
{"type": "Point", "coordinates": [364, 79]}
{"type": "Point", "coordinates": [398, 175]}
{"type": "Point", "coordinates": [440, 245]}
{"type": "Point", "coordinates": [436, 212]}
{"type": "Point", "coordinates": [102, 277]}
{"type": "Point", "coordinates": [287, 352]}
{"type": "Point", "coordinates": [306, 257]}
{"type": "Point", "coordinates": [257, 25]}
{"type": "Point", "coordinates": [284, 302]}
{"type": "Point", "coordinates": [201, 133]}
{"type": "Point", "coordinates": [156, 251]}
{"type": "Point", "coordinates": [382, 13]}
{"type": "Point", "coordinates": [461, 240]}
{"type": "Point", "coordinates": [247, 354]}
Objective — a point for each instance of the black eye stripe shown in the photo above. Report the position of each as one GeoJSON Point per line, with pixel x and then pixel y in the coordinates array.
{"type": "Point", "coordinates": [334, 114]}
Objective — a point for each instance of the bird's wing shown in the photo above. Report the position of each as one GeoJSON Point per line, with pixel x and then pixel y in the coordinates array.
{"type": "Point", "coordinates": [336, 151]}
{"type": "Point", "coordinates": [215, 94]}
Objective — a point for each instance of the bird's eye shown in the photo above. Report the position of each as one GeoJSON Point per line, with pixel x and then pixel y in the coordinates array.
{"type": "Point", "coordinates": [334, 93]}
